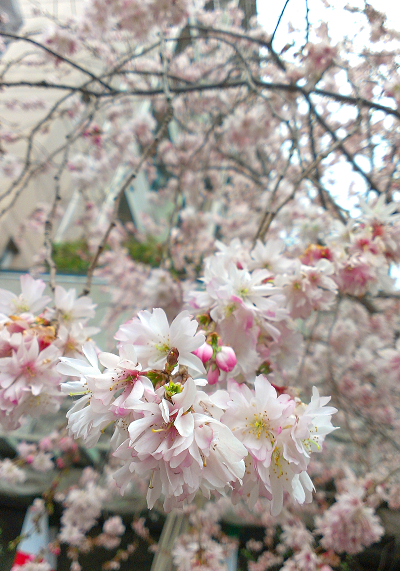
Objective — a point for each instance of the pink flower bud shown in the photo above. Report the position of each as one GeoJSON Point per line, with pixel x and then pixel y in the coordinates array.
{"type": "Point", "coordinates": [204, 352]}
{"type": "Point", "coordinates": [226, 359]}
{"type": "Point", "coordinates": [46, 444]}
{"type": "Point", "coordinates": [60, 463]}
{"type": "Point", "coordinates": [213, 375]}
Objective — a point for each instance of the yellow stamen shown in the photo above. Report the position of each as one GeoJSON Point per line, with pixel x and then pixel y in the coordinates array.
{"type": "Point", "coordinates": [105, 428]}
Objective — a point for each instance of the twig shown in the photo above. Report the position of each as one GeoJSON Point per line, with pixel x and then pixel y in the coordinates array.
{"type": "Point", "coordinates": [27, 161]}
{"type": "Point", "coordinates": [268, 214]}
{"type": "Point", "coordinates": [279, 20]}
{"type": "Point", "coordinates": [48, 227]}
{"type": "Point", "coordinates": [58, 56]}
{"type": "Point", "coordinates": [369, 306]}
{"type": "Point", "coordinates": [307, 22]}
{"type": "Point", "coordinates": [340, 145]}
{"type": "Point", "coordinates": [77, 130]}
{"type": "Point", "coordinates": [262, 43]}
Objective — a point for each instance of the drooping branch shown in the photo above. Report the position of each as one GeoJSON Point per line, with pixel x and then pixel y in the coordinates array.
{"type": "Point", "coordinates": [48, 227]}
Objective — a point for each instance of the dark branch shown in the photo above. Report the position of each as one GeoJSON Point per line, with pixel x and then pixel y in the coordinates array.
{"type": "Point", "coordinates": [56, 55]}
{"type": "Point", "coordinates": [279, 20]}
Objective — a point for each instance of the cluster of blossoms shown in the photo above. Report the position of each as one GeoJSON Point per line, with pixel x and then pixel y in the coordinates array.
{"type": "Point", "coordinates": [349, 525]}
{"type": "Point", "coordinates": [183, 438]}
{"type": "Point", "coordinates": [201, 404]}
{"type": "Point", "coordinates": [10, 472]}
{"type": "Point", "coordinates": [253, 295]}
{"type": "Point", "coordinates": [83, 505]}
{"type": "Point", "coordinates": [204, 546]}
{"type": "Point", "coordinates": [82, 508]}
{"type": "Point", "coordinates": [200, 553]}
{"type": "Point", "coordinates": [297, 294]}
{"type": "Point", "coordinates": [55, 451]}
{"type": "Point", "coordinates": [33, 336]}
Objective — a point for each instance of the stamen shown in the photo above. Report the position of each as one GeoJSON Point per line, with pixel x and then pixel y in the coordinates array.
{"type": "Point", "coordinates": [105, 428]}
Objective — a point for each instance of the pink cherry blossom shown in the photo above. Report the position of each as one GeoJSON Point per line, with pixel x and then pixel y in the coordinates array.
{"type": "Point", "coordinates": [153, 337]}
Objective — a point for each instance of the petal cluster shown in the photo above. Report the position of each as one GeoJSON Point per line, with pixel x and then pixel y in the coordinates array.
{"type": "Point", "coordinates": [31, 343]}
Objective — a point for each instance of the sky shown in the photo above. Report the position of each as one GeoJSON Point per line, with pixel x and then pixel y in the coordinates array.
{"type": "Point", "coordinates": [339, 22]}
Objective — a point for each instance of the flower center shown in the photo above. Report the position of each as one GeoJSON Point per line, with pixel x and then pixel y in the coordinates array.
{"type": "Point", "coordinates": [243, 292]}
{"type": "Point", "coordinates": [260, 427]}
{"type": "Point", "coordinates": [21, 305]}
{"type": "Point", "coordinates": [173, 389]}
{"type": "Point", "coordinates": [125, 378]}
{"type": "Point", "coordinates": [229, 309]}
{"type": "Point", "coordinates": [30, 370]}
{"type": "Point", "coordinates": [162, 348]}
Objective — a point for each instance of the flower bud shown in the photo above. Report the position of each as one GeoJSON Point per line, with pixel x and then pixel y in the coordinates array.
{"type": "Point", "coordinates": [46, 444]}
{"type": "Point", "coordinates": [172, 357]}
{"type": "Point", "coordinates": [213, 375]}
{"type": "Point", "coordinates": [204, 352]}
{"type": "Point", "coordinates": [60, 463]}
{"type": "Point", "coordinates": [226, 359]}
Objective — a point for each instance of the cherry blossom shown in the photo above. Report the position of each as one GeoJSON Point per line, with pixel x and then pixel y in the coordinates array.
{"type": "Point", "coordinates": [30, 300]}
{"type": "Point", "coordinates": [257, 273]}
{"type": "Point", "coordinates": [153, 338]}
{"type": "Point", "coordinates": [349, 525]}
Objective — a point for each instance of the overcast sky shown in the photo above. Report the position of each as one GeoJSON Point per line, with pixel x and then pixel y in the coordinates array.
{"type": "Point", "coordinates": [340, 23]}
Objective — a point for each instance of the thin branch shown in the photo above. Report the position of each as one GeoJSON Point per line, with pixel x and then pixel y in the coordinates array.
{"type": "Point", "coordinates": [355, 101]}
{"type": "Point", "coordinates": [56, 55]}
{"type": "Point", "coordinates": [252, 174]}
{"type": "Point", "coordinates": [338, 209]}
{"type": "Point", "coordinates": [314, 152]}
{"type": "Point", "coordinates": [279, 20]}
{"type": "Point", "coordinates": [77, 132]}
{"type": "Point", "coordinates": [341, 146]}
{"type": "Point", "coordinates": [367, 303]}
{"type": "Point", "coordinates": [48, 227]}
{"type": "Point", "coordinates": [27, 161]}
{"type": "Point", "coordinates": [307, 22]}
{"type": "Point", "coordinates": [164, 61]}
{"type": "Point", "coordinates": [268, 214]}
{"type": "Point", "coordinates": [224, 84]}
{"type": "Point", "coordinates": [262, 43]}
